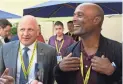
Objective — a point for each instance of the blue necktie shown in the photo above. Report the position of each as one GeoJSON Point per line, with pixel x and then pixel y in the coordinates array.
{"type": "Point", "coordinates": [26, 63]}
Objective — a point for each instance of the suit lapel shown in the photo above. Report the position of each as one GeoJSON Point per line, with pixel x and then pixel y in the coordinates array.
{"type": "Point", "coordinates": [41, 60]}
{"type": "Point", "coordinates": [14, 53]}
{"type": "Point", "coordinates": [77, 50]}
{"type": "Point", "coordinates": [76, 53]}
{"type": "Point", "coordinates": [1, 42]}
{"type": "Point", "coordinates": [40, 53]}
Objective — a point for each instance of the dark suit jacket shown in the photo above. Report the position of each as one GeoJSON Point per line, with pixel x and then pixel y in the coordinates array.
{"type": "Point", "coordinates": [45, 55]}
{"type": "Point", "coordinates": [111, 49]}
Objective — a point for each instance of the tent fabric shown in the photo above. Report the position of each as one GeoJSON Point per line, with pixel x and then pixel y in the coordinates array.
{"type": "Point", "coordinates": [7, 15]}
{"type": "Point", "coordinates": [66, 8]}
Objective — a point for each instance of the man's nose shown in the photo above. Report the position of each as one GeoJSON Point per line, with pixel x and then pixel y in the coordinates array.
{"type": "Point", "coordinates": [74, 17]}
{"type": "Point", "coordinates": [25, 32]}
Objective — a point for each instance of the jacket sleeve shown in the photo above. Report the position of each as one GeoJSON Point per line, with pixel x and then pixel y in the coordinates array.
{"type": "Point", "coordinates": [60, 76]}
{"type": "Point", "coordinates": [117, 75]}
{"type": "Point", "coordinates": [2, 66]}
{"type": "Point", "coordinates": [52, 65]}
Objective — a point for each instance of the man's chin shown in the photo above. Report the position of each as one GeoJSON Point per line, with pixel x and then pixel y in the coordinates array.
{"type": "Point", "coordinates": [59, 35]}
{"type": "Point", "coordinates": [76, 33]}
{"type": "Point", "coordinates": [26, 43]}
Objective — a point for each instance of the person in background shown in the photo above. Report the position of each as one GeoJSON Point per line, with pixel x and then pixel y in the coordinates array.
{"type": "Point", "coordinates": [5, 27]}
{"type": "Point", "coordinates": [15, 37]}
{"type": "Point", "coordinates": [70, 32]}
{"type": "Point", "coordinates": [40, 37]}
{"type": "Point", "coordinates": [95, 59]}
{"type": "Point", "coordinates": [60, 41]}
{"type": "Point", "coordinates": [26, 60]}
{"type": "Point", "coordinates": [8, 38]}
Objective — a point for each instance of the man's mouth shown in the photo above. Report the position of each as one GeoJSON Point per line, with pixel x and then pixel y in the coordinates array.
{"type": "Point", "coordinates": [25, 38]}
{"type": "Point", "coordinates": [76, 25]}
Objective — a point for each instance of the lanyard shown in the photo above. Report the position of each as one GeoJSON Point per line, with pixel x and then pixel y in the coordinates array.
{"type": "Point", "coordinates": [82, 70]}
{"type": "Point", "coordinates": [26, 72]}
{"type": "Point", "coordinates": [58, 49]}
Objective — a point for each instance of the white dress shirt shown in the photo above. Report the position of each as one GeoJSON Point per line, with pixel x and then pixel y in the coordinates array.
{"type": "Point", "coordinates": [2, 39]}
{"type": "Point", "coordinates": [31, 75]}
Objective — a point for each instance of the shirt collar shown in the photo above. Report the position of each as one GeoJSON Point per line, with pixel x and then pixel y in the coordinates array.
{"type": "Point", "coordinates": [1, 37]}
{"type": "Point", "coordinates": [61, 39]}
{"type": "Point", "coordinates": [100, 47]}
{"type": "Point", "coordinates": [31, 47]}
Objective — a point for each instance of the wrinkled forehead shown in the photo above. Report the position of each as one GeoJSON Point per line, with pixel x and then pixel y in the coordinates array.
{"type": "Point", "coordinates": [27, 23]}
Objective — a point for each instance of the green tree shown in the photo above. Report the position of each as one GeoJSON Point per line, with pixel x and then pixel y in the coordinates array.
{"type": "Point", "coordinates": [14, 28]}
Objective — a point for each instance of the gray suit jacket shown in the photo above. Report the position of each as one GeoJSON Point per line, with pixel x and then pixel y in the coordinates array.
{"type": "Point", "coordinates": [45, 54]}
{"type": "Point", "coordinates": [1, 43]}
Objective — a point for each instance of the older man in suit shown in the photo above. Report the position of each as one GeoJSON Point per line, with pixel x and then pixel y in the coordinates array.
{"type": "Point", "coordinates": [27, 60]}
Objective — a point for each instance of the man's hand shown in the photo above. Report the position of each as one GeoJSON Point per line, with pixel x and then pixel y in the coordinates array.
{"type": "Point", "coordinates": [70, 63]}
{"type": "Point", "coordinates": [102, 65]}
{"type": "Point", "coordinates": [5, 78]}
{"type": "Point", "coordinates": [36, 82]}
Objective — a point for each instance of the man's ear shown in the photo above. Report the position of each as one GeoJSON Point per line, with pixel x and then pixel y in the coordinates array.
{"type": "Point", "coordinates": [97, 20]}
{"type": "Point", "coordinates": [38, 33]}
{"type": "Point", "coordinates": [1, 29]}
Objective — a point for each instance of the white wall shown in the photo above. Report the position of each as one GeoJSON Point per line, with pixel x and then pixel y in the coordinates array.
{"type": "Point", "coordinates": [112, 27]}
{"type": "Point", "coordinates": [46, 30]}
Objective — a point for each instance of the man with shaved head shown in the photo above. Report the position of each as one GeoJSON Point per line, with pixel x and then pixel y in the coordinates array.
{"type": "Point", "coordinates": [27, 61]}
{"type": "Point", "coordinates": [95, 59]}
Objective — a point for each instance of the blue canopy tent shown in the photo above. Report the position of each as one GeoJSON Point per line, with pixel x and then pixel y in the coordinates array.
{"type": "Point", "coordinates": [65, 8]}
{"type": "Point", "coordinates": [6, 15]}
